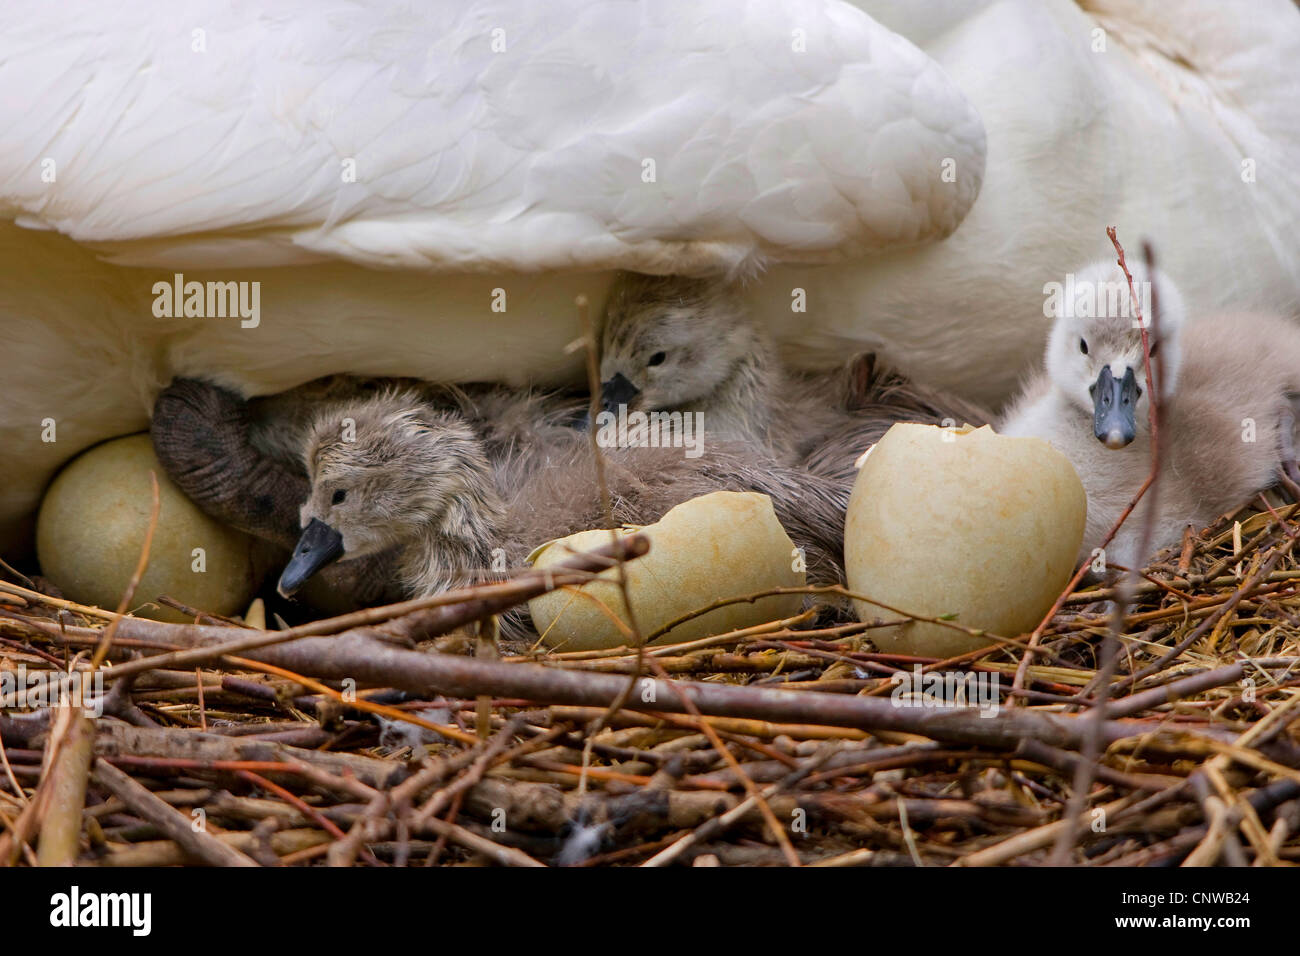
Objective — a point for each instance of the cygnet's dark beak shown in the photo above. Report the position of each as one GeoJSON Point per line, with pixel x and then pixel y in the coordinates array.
{"type": "Point", "coordinates": [319, 545]}
{"type": "Point", "coordinates": [617, 391]}
{"type": "Point", "coordinates": [1113, 401]}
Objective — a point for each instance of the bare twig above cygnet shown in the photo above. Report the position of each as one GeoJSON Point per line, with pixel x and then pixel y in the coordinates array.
{"type": "Point", "coordinates": [1226, 407]}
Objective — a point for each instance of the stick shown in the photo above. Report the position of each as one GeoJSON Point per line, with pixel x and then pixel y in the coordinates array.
{"type": "Point", "coordinates": [1084, 771]}
{"type": "Point", "coordinates": [426, 623]}
{"type": "Point", "coordinates": [68, 775]}
{"type": "Point", "coordinates": [377, 663]}
{"type": "Point", "coordinates": [198, 843]}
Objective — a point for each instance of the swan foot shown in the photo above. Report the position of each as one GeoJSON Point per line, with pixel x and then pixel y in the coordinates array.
{"type": "Point", "coordinates": [200, 434]}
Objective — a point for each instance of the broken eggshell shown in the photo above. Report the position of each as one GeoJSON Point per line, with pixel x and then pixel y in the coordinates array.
{"type": "Point", "coordinates": [963, 522]}
{"type": "Point", "coordinates": [720, 545]}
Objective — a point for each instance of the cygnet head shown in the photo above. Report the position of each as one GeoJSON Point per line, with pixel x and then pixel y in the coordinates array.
{"type": "Point", "coordinates": [1094, 354]}
{"type": "Point", "coordinates": [670, 341]}
{"type": "Point", "coordinates": [385, 471]}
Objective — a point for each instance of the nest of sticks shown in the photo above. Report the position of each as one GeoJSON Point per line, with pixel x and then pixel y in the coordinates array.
{"type": "Point", "coordinates": [395, 736]}
{"type": "Point", "coordinates": [1146, 722]}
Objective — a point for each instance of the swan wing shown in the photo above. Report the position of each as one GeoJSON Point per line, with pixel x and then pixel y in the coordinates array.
{"type": "Point", "coordinates": [472, 136]}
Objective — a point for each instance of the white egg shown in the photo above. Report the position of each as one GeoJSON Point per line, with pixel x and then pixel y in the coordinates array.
{"type": "Point", "coordinates": [720, 545]}
{"type": "Point", "coordinates": [965, 522]}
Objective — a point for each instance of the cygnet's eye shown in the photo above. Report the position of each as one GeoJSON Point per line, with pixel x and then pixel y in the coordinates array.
{"type": "Point", "coordinates": [338, 496]}
{"type": "Point", "coordinates": [1083, 346]}
{"type": "Point", "coordinates": [656, 359]}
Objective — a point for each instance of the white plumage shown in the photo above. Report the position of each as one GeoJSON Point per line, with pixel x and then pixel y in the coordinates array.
{"type": "Point", "coordinates": [494, 135]}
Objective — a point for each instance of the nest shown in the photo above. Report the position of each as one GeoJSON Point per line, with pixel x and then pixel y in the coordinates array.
{"type": "Point", "coordinates": [398, 735]}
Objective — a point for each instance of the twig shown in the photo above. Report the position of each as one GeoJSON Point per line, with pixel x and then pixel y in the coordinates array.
{"type": "Point", "coordinates": [311, 813]}
{"type": "Point", "coordinates": [199, 843]}
{"type": "Point", "coordinates": [69, 772]}
{"type": "Point", "coordinates": [716, 825]}
{"type": "Point", "coordinates": [439, 620]}
{"type": "Point", "coordinates": [1030, 840]}
{"type": "Point", "coordinates": [607, 508]}
{"type": "Point", "coordinates": [1111, 642]}
{"type": "Point", "coordinates": [778, 832]}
